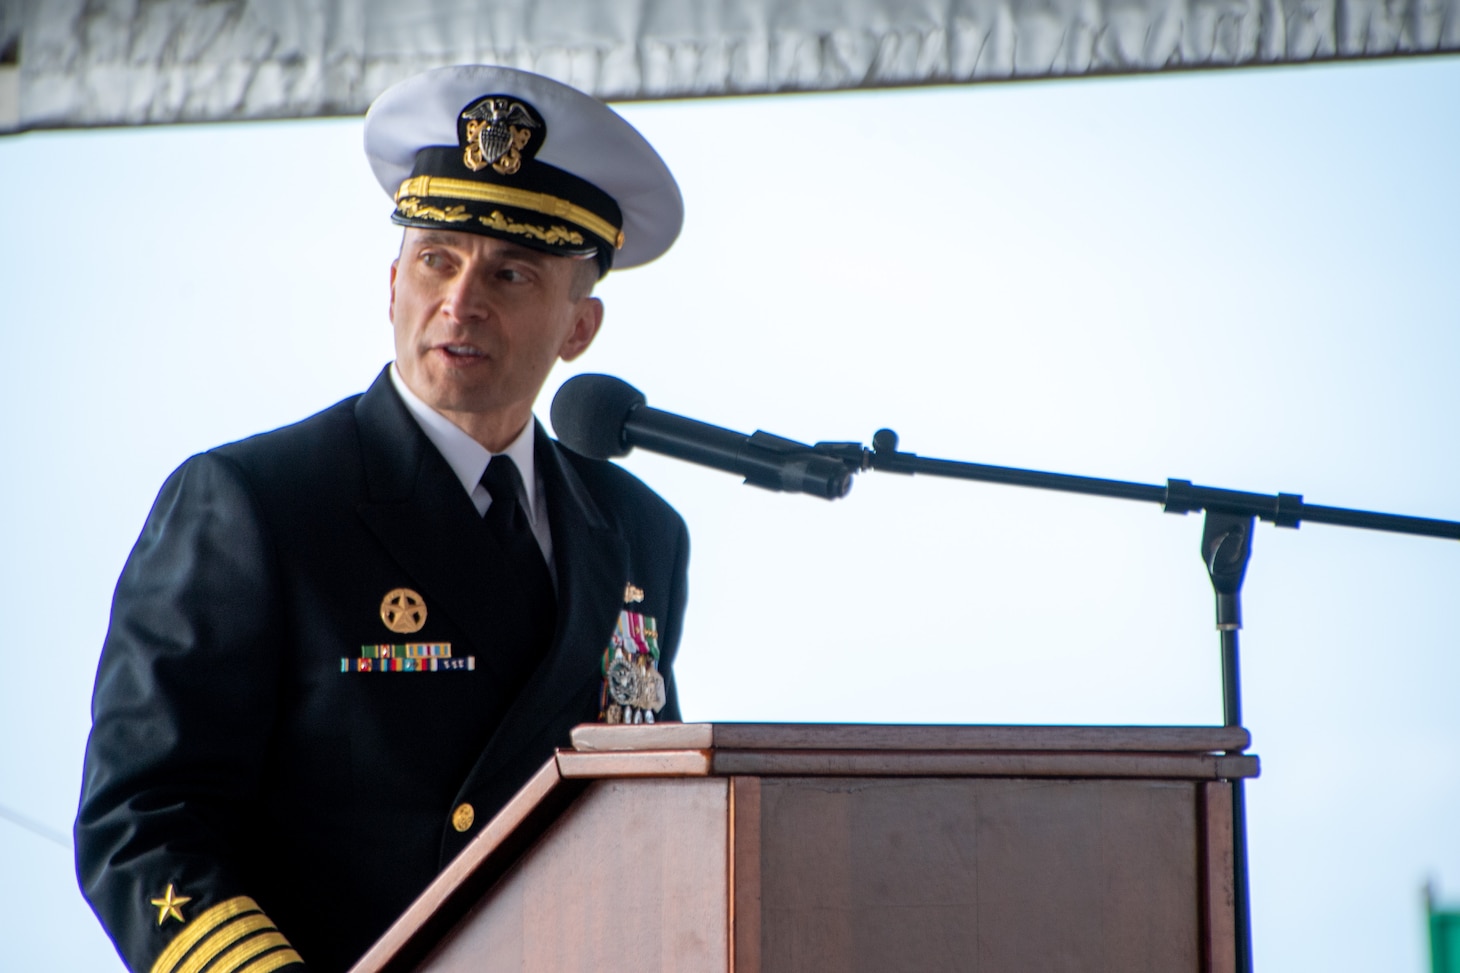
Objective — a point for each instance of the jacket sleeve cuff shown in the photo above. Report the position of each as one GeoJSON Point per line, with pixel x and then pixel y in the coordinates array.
{"type": "Point", "coordinates": [231, 937]}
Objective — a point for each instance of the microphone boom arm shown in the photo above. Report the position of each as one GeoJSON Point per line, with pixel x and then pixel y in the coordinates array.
{"type": "Point", "coordinates": [1176, 497]}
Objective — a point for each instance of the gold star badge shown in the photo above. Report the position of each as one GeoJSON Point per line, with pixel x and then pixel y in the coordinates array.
{"type": "Point", "coordinates": [168, 905]}
{"type": "Point", "coordinates": [403, 611]}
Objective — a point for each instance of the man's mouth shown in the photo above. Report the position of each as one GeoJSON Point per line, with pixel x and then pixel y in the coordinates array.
{"type": "Point", "coordinates": [463, 352]}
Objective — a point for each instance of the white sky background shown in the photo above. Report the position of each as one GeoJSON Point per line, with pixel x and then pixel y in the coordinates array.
{"type": "Point", "coordinates": [1246, 279]}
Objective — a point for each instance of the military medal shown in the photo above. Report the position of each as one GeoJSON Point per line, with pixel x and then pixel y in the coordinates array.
{"type": "Point", "coordinates": [633, 690]}
{"type": "Point", "coordinates": [623, 681]}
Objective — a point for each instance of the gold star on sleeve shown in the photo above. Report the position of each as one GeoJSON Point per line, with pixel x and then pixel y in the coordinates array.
{"type": "Point", "coordinates": [168, 905]}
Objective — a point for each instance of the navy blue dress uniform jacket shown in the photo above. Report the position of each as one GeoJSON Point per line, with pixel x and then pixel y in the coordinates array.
{"type": "Point", "coordinates": [234, 762]}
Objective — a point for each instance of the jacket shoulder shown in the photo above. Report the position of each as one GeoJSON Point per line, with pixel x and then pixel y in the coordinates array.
{"type": "Point", "coordinates": [299, 448]}
{"type": "Point", "coordinates": [289, 467]}
{"type": "Point", "coordinates": [621, 494]}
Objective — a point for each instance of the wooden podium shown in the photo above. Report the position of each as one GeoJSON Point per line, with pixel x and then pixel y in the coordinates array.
{"type": "Point", "coordinates": [743, 848]}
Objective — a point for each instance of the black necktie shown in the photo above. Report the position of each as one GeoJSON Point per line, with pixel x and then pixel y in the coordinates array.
{"type": "Point", "coordinates": [508, 522]}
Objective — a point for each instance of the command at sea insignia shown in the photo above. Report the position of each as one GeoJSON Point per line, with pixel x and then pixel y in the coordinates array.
{"type": "Point", "coordinates": [633, 690]}
{"type": "Point", "coordinates": [404, 611]}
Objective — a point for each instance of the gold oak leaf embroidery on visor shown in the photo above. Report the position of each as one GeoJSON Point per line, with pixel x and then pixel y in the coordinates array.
{"type": "Point", "coordinates": [549, 206]}
{"type": "Point", "coordinates": [413, 209]}
{"type": "Point", "coordinates": [553, 234]}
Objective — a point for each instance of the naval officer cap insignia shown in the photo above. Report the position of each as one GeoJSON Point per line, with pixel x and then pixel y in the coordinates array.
{"type": "Point", "coordinates": [514, 155]}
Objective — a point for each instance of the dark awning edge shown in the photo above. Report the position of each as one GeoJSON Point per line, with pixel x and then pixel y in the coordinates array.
{"type": "Point", "coordinates": [176, 62]}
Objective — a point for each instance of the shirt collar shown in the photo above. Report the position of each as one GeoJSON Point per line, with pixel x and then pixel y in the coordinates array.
{"type": "Point", "coordinates": [468, 458]}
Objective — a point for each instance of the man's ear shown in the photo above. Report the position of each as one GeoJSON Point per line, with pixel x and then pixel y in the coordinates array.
{"type": "Point", "coordinates": [585, 328]}
{"type": "Point", "coordinates": [394, 265]}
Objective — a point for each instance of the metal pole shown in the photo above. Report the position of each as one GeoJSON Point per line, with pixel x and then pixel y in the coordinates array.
{"type": "Point", "coordinates": [1232, 707]}
{"type": "Point", "coordinates": [1226, 547]}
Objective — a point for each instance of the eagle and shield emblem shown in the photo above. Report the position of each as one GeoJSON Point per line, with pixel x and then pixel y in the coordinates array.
{"type": "Point", "coordinates": [498, 130]}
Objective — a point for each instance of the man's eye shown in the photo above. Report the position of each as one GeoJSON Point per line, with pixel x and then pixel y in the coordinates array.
{"type": "Point", "coordinates": [430, 260]}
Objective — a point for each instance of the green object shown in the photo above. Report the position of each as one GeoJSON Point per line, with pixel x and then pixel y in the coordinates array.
{"type": "Point", "coordinates": [1444, 942]}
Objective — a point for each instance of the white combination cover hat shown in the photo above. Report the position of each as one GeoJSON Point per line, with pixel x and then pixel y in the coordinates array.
{"type": "Point", "coordinates": [515, 155]}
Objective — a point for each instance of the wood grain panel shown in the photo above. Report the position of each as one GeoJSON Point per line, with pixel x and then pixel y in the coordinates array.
{"type": "Point", "coordinates": [634, 877]}
{"type": "Point", "coordinates": [745, 857]}
{"type": "Point", "coordinates": [1219, 894]}
{"type": "Point", "coordinates": [996, 875]}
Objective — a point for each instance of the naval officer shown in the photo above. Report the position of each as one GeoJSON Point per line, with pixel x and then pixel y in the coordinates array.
{"type": "Point", "coordinates": [339, 647]}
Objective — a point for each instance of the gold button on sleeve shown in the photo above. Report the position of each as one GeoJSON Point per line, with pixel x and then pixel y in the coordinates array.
{"type": "Point", "coordinates": [462, 817]}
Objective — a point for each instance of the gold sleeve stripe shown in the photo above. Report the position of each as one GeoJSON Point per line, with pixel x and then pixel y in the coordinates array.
{"type": "Point", "coordinates": [484, 192]}
{"type": "Point", "coordinates": [272, 962]}
{"type": "Point", "coordinates": [221, 938]}
{"type": "Point", "coordinates": [204, 923]}
{"type": "Point", "coordinates": [236, 957]}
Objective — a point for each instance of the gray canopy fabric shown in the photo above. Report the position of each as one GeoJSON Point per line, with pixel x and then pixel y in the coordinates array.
{"type": "Point", "coordinates": [82, 63]}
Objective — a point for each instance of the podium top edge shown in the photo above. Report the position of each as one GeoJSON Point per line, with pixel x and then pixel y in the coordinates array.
{"type": "Point", "coordinates": [598, 737]}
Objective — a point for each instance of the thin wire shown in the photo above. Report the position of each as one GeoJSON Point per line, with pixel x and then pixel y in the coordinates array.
{"type": "Point", "coordinates": [35, 827]}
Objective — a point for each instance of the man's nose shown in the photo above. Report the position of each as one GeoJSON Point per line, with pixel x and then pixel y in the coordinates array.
{"type": "Point", "coordinates": [467, 297]}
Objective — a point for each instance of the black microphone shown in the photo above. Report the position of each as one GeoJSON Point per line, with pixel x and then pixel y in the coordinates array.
{"type": "Point", "coordinates": [601, 417]}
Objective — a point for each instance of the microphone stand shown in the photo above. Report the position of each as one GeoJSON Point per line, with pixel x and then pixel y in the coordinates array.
{"type": "Point", "coordinates": [1226, 547]}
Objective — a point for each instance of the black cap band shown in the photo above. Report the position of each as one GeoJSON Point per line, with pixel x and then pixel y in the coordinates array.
{"type": "Point", "coordinates": [541, 206]}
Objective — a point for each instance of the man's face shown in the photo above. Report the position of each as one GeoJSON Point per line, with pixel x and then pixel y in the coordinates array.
{"type": "Point", "coordinates": [479, 322]}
